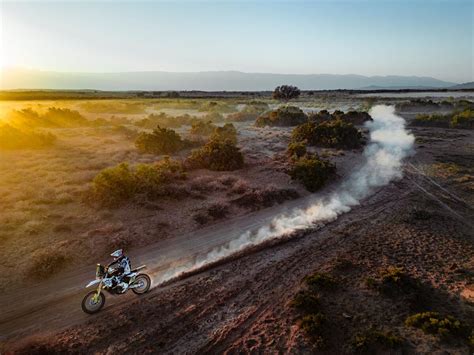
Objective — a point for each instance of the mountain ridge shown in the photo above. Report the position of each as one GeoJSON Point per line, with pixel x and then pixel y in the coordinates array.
{"type": "Point", "coordinates": [205, 80]}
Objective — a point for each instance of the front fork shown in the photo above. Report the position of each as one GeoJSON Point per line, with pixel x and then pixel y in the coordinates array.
{"type": "Point", "coordinates": [96, 296]}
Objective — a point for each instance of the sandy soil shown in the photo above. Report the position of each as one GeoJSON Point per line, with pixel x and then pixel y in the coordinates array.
{"type": "Point", "coordinates": [243, 305]}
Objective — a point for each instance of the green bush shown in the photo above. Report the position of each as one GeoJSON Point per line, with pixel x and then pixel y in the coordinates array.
{"type": "Point", "coordinates": [313, 325]}
{"type": "Point", "coordinates": [214, 117]}
{"type": "Point", "coordinates": [12, 138]}
{"type": "Point", "coordinates": [160, 141]}
{"type": "Point", "coordinates": [296, 150]}
{"type": "Point", "coordinates": [443, 326]}
{"type": "Point", "coordinates": [226, 132]}
{"type": "Point", "coordinates": [163, 120]}
{"type": "Point", "coordinates": [241, 116]}
{"type": "Point", "coordinates": [312, 172]}
{"type": "Point", "coordinates": [284, 116]}
{"type": "Point", "coordinates": [321, 281]}
{"type": "Point", "coordinates": [202, 128]}
{"type": "Point", "coordinates": [217, 154]}
{"type": "Point", "coordinates": [53, 118]}
{"type": "Point", "coordinates": [114, 185]}
{"type": "Point", "coordinates": [364, 343]}
{"type": "Point", "coordinates": [306, 302]}
{"type": "Point", "coordinates": [464, 119]}
{"type": "Point", "coordinates": [329, 134]}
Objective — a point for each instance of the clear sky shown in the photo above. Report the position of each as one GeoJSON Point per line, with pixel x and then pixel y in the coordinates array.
{"type": "Point", "coordinates": [379, 37]}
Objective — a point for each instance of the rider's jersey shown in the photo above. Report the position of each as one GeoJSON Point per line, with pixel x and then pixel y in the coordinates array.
{"type": "Point", "coordinates": [122, 264]}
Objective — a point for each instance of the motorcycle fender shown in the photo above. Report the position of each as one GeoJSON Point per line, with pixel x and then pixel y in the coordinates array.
{"type": "Point", "coordinates": [92, 283]}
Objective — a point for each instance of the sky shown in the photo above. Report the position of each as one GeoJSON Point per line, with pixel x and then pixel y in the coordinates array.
{"type": "Point", "coordinates": [379, 37]}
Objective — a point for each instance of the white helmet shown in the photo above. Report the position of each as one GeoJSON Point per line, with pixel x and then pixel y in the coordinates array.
{"type": "Point", "coordinates": [117, 254]}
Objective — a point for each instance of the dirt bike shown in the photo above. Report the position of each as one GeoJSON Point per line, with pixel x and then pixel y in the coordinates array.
{"type": "Point", "coordinates": [107, 279]}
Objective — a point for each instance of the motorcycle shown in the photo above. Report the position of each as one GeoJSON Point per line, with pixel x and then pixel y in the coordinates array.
{"type": "Point", "coordinates": [106, 279]}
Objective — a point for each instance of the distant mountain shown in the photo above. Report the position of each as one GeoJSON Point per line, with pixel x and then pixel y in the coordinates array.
{"type": "Point", "coordinates": [468, 85]}
{"type": "Point", "coordinates": [207, 81]}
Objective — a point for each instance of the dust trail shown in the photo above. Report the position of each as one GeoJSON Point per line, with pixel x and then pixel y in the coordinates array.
{"type": "Point", "coordinates": [389, 144]}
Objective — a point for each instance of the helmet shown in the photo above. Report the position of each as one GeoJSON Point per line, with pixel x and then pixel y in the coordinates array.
{"type": "Point", "coordinates": [117, 254]}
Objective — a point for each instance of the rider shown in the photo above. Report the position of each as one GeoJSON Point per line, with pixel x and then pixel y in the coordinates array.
{"type": "Point", "coordinates": [122, 267]}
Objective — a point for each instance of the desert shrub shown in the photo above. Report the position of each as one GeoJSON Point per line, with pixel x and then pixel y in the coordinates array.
{"type": "Point", "coordinates": [365, 342]}
{"type": "Point", "coordinates": [241, 116]}
{"type": "Point", "coordinates": [464, 119]}
{"type": "Point", "coordinates": [214, 117]}
{"type": "Point", "coordinates": [306, 302]}
{"type": "Point", "coordinates": [46, 264]}
{"type": "Point", "coordinates": [163, 120]}
{"type": "Point", "coordinates": [54, 117]}
{"type": "Point", "coordinates": [284, 116]}
{"type": "Point", "coordinates": [321, 281]}
{"type": "Point", "coordinates": [160, 141]}
{"type": "Point", "coordinates": [114, 185]}
{"type": "Point", "coordinates": [226, 132]}
{"type": "Point", "coordinates": [217, 154]}
{"type": "Point", "coordinates": [255, 107]}
{"type": "Point", "coordinates": [355, 117]}
{"type": "Point", "coordinates": [286, 92]}
{"type": "Point", "coordinates": [329, 134]}
{"type": "Point", "coordinates": [443, 326]}
{"type": "Point", "coordinates": [320, 116]}
{"type": "Point", "coordinates": [313, 325]}
{"type": "Point", "coordinates": [258, 198]}
{"type": "Point", "coordinates": [394, 280]}
{"type": "Point", "coordinates": [296, 150]}
{"type": "Point", "coordinates": [202, 128]}
{"type": "Point", "coordinates": [312, 172]}
{"type": "Point", "coordinates": [12, 138]}
{"type": "Point", "coordinates": [433, 120]}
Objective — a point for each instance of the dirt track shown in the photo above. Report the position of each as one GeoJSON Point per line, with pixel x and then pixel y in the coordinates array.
{"type": "Point", "coordinates": [242, 305]}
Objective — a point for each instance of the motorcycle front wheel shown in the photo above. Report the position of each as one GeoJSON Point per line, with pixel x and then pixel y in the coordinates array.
{"type": "Point", "coordinates": [92, 305]}
{"type": "Point", "coordinates": [141, 284]}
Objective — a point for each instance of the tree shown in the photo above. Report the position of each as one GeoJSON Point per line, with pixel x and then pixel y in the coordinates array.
{"type": "Point", "coordinates": [286, 92]}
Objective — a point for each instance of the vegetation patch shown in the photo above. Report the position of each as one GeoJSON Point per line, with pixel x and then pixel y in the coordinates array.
{"type": "Point", "coordinates": [117, 184]}
{"type": "Point", "coordinates": [445, 327]}
{"type": "Point", "coordinates": [53, 117]}
{"type": "Point", "coordinates": [163, 120]}
{"type": "Point", "coordinates": [284, 116]}
{"type": "Point", "coordinates": [462, 119]}
{"type": "Point", "coordinates": [329, 134]}
{"type": "Point", "coordinates": [371, 340]}
{"type": "Point", "coordinates": [321, 281]}
{"type": "Point", "coordinates": [160, 141]}
{"type": "Point", "coordinates": [202, 128]}
{"type": "Point", "coordinates": [296, 150]}
{"type": "Point", "coordinates": [312, 172]}
{"type": "Point", "coordinates": [225, 133]}
{"type": "Point", "coordinates": [217, 154]}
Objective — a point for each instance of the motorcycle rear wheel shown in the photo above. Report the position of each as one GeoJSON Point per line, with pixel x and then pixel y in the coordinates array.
{"type": "Point", "coordinates": [90, 306]}
{"type": "Point", "coordinates": [142, 283]}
